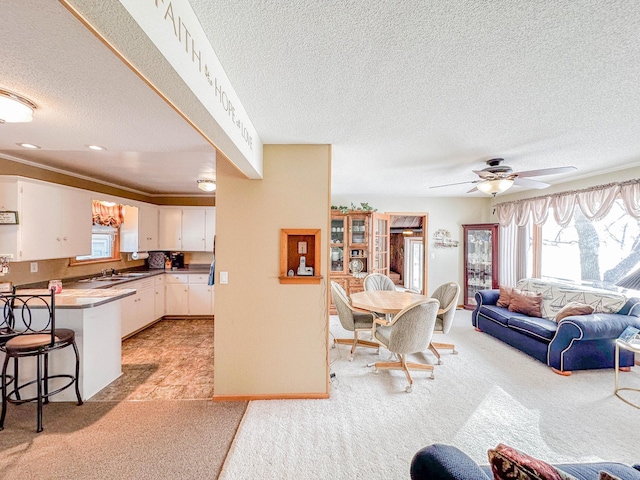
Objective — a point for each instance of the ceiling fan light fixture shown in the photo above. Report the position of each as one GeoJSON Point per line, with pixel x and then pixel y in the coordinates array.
{"type": "Point", "coordinates": [495, 186]}
{"type": "Point", "coordinates": [15, 108]}
{"type": "Point", "coordinates": [207, 185]}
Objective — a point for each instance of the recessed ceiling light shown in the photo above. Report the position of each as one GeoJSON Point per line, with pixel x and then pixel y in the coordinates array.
{"type": "Point", "coordinates": [96, 147]}
{"type": "Point", "coordinates": [28, 145]}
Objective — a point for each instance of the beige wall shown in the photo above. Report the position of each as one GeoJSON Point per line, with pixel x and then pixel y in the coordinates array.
{"type": "Point", "coordinates": [271, 338]}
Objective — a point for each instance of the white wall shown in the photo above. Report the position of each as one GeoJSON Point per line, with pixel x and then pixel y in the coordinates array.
{"type": "Point", "coordinates": [444, 264]}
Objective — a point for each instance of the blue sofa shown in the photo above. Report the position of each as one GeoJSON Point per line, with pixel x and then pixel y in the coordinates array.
{"type": "Point", "coordinates": [446, 462]}
{"type": "Point", "coordinates": [578, 342]}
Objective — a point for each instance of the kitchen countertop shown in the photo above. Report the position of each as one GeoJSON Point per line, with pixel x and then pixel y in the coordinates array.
{"type": "Point", "coordinates": [82, 298]}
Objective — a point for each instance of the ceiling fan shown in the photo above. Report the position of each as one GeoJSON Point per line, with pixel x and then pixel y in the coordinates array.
{"type": "Point", "coordinates": [497, 178]}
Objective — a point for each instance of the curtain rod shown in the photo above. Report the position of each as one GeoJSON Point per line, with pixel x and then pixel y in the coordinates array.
{"type": "Point", "coordinates": [573, 192]}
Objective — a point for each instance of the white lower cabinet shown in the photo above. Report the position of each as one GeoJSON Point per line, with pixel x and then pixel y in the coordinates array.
{"type": "Point", "coordinates": [138, 310]}
{"type": "Point", "coordinates": [188, 294]}
{"type": "Point", "coordinates": [159, 296]}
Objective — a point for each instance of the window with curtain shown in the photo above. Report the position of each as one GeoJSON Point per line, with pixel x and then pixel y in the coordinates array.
{"type": "Point", "coordinates": [589, 236]}
{"type": "Point", "coordinates": [593, 252]}
{"type": "Point", "coordinates": [105, 245]}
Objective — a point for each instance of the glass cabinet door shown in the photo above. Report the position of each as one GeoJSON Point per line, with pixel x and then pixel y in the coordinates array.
{"type": "Point", "coordinates": [338, 231]}
{"type": "Point", "coordinates": [358, 230]}
{"type": "Point", "coordinates": [481, 262]}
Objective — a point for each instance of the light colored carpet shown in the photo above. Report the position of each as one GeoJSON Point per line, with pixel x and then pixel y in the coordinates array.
{"type": "Point", "coordinates": [370, 428]}
{"type": "Point", "coordinates": [177, 439]}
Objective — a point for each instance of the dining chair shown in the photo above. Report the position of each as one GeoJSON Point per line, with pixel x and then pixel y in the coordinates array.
{"type": "Point", "coordinates": [352, 319]}
{"type": "Point", "coordinates": [29, 320]}
{"type": "Point", "coordinates": [447, 294]}
{"type": "Point", "coordinates": [378, 281]}
{"type": "Point", "coordinates": [408, 332]}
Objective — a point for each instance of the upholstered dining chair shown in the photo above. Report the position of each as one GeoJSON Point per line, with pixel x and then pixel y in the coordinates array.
{"type": "Point", "coordinates": [409, 331]}
{"type": "Point", "coordinates": [352, 319]}
{"type": "Point", "coordinates": [447, 294]}
{"type": "Point", "coordinates": [29, 320]}
{"type": "Point", "coordinates": [378, 281]}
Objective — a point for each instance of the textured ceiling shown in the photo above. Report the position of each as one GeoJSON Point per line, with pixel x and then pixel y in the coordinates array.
{"type": "Point", "coordinates": [418, 93]}
{"type": "Point", "coordinates": [411, 94]}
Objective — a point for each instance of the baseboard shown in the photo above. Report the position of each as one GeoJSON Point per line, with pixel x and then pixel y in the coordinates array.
{"type": "Point", "coordinates": [286, 396]}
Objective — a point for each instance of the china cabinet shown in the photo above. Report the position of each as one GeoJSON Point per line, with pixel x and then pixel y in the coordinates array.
{"type": "Point", "coordinates": [359, 245]}
{"type": "Point", "coordinates": [480, 260]}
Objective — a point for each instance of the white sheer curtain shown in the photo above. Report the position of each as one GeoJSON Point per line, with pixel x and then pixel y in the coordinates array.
{"type": "Point", "coordinates": [513, 247]}
{"type": "Point", "coordinates": [594, 203]}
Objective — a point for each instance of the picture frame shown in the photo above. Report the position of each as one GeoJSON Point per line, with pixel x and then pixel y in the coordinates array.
{"type": "Point", "coordinates": [8, 217]}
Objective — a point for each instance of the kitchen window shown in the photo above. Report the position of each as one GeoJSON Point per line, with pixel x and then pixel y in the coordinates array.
{"type": "Point", "coordinates": [105, 246]}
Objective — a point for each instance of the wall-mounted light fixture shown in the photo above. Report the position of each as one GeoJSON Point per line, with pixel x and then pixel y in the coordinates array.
{"type": "Point", "coordinates": [495, 186]}
{"type": "Point", "coordinates": [15, 108]}
{"type": "Point", "coordinates": [207, 185]}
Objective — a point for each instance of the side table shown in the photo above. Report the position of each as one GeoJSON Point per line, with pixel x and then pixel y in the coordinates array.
{"type": "Point", "coordinates": [633, 347]}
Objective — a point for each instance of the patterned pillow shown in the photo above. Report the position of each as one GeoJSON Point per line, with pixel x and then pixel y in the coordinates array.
{"type": "Point", "coordinates": [573, 308]}
{"type": "Point", "coordinates": [507, 463]}
{"type": "Point", "coordinates": [528, 303]}
{"type": "Point", "coordinates": [505, 297]}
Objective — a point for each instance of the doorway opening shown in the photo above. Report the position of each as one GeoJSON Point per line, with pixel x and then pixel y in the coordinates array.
{"type": "Point", "coordinates": [408, 266]}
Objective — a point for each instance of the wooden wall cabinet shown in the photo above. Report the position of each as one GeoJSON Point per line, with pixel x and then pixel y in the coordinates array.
{"type": "Point", "coordinates": [480, 260]}
{"type": "Point", "coordinates": [297, 244]}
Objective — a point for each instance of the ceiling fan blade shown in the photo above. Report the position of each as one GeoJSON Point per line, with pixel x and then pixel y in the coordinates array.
{"type": "Point", "coordinates": [545, 171]}
{"type": "Point", "coordinates": [474, 189]}
{"type": "Point", "coordinates": [528, 183]}
{"type": "Point", "coordinates": [459, 183]}
{"type": "Point", "coordinates": [485, 175]}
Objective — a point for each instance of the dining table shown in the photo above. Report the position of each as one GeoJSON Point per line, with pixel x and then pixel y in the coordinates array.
{"type": "Point", "coordinates": [385, 301]}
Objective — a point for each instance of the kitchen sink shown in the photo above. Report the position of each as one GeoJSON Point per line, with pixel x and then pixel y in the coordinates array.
{"type": "Point", "coordinates": [108, 279]}
{"type": "Point", "coordinates": [131, 275]}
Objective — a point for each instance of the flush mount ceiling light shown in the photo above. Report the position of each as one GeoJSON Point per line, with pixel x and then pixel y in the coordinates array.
{"type": "Point", "coordinates": [28, 145]}
{"type": "Point", "coordinates": [495, 186]}
{"type": "Point", "coordinates": [95, 147]}
{"type": "Point", "coordinates": [15, 108]}
{"type": "Point", "coordinates": [207, 185]}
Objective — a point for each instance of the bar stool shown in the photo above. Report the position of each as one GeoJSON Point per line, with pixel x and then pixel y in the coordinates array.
{"type": "Point", "coordinates": [29, 325]}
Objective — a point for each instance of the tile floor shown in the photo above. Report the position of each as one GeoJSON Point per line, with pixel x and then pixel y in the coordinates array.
{"type": "Point", "coordinates": [170, 360]}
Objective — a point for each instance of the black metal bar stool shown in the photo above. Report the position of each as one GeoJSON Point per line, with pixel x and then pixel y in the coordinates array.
{"type": "Point", "coordinates": [30, 331]}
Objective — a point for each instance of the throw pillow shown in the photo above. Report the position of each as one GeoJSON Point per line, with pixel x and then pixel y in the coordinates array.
{"type": "Point", "coordinates": [573, 308]}
{"type": "Point", "coordinates": [529, 303]}
{"type": "Point", "coordinates": [607, 476]}
{"type": "Point", "coordinates": [505, 297]}
{"type": "Point", "coordinates": [507, 463]}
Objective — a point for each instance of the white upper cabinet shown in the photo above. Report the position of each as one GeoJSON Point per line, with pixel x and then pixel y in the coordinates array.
{"type": "Point", "coordinates": [55, 221]}
{"type": "Point", "coordinates": [170, 228]}
{"type": "Point", "coordinates": [139, 231]}
{"type": "Point", "coordinates": [148, 227]}
{"type": "Point", "coordinates": [193, 230]}
{"type": "Point", "coordinates": [209, 228]}
{"type": "Point", "coordinates": [189, 228]}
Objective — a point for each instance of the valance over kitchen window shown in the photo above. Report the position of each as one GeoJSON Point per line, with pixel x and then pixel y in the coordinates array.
{"type": "Point", "coordinates": [107, 215]}
{"type": "Point", "coordinates": [594, 202]}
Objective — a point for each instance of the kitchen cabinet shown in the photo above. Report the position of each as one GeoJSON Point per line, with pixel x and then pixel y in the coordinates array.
{"type": "Point", "coordinates": [176, 294]}
{"type": "Point", "coordinates": [159, 286]}
{"type": "Point", "coordinates": [54, 220]}
{"type": "Point", "coordinates": [188, 294]}
{"type": "Point", "coordinates": [200, 295]}
{"type": "Point", "coordinates": [139, 231]}
{"type": "Point", "coordinates": [170, 228]}
{"type": "Point", "coordinates": [148, 227]}
{"type": "Point", "coordinates": [193, 230]}
{"type": "Point", "coordinates": [188, 229]}
{"type": "Point", "coordinates": [480, 260]}
{"type": "Point", "coordinates": [138, 311]}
